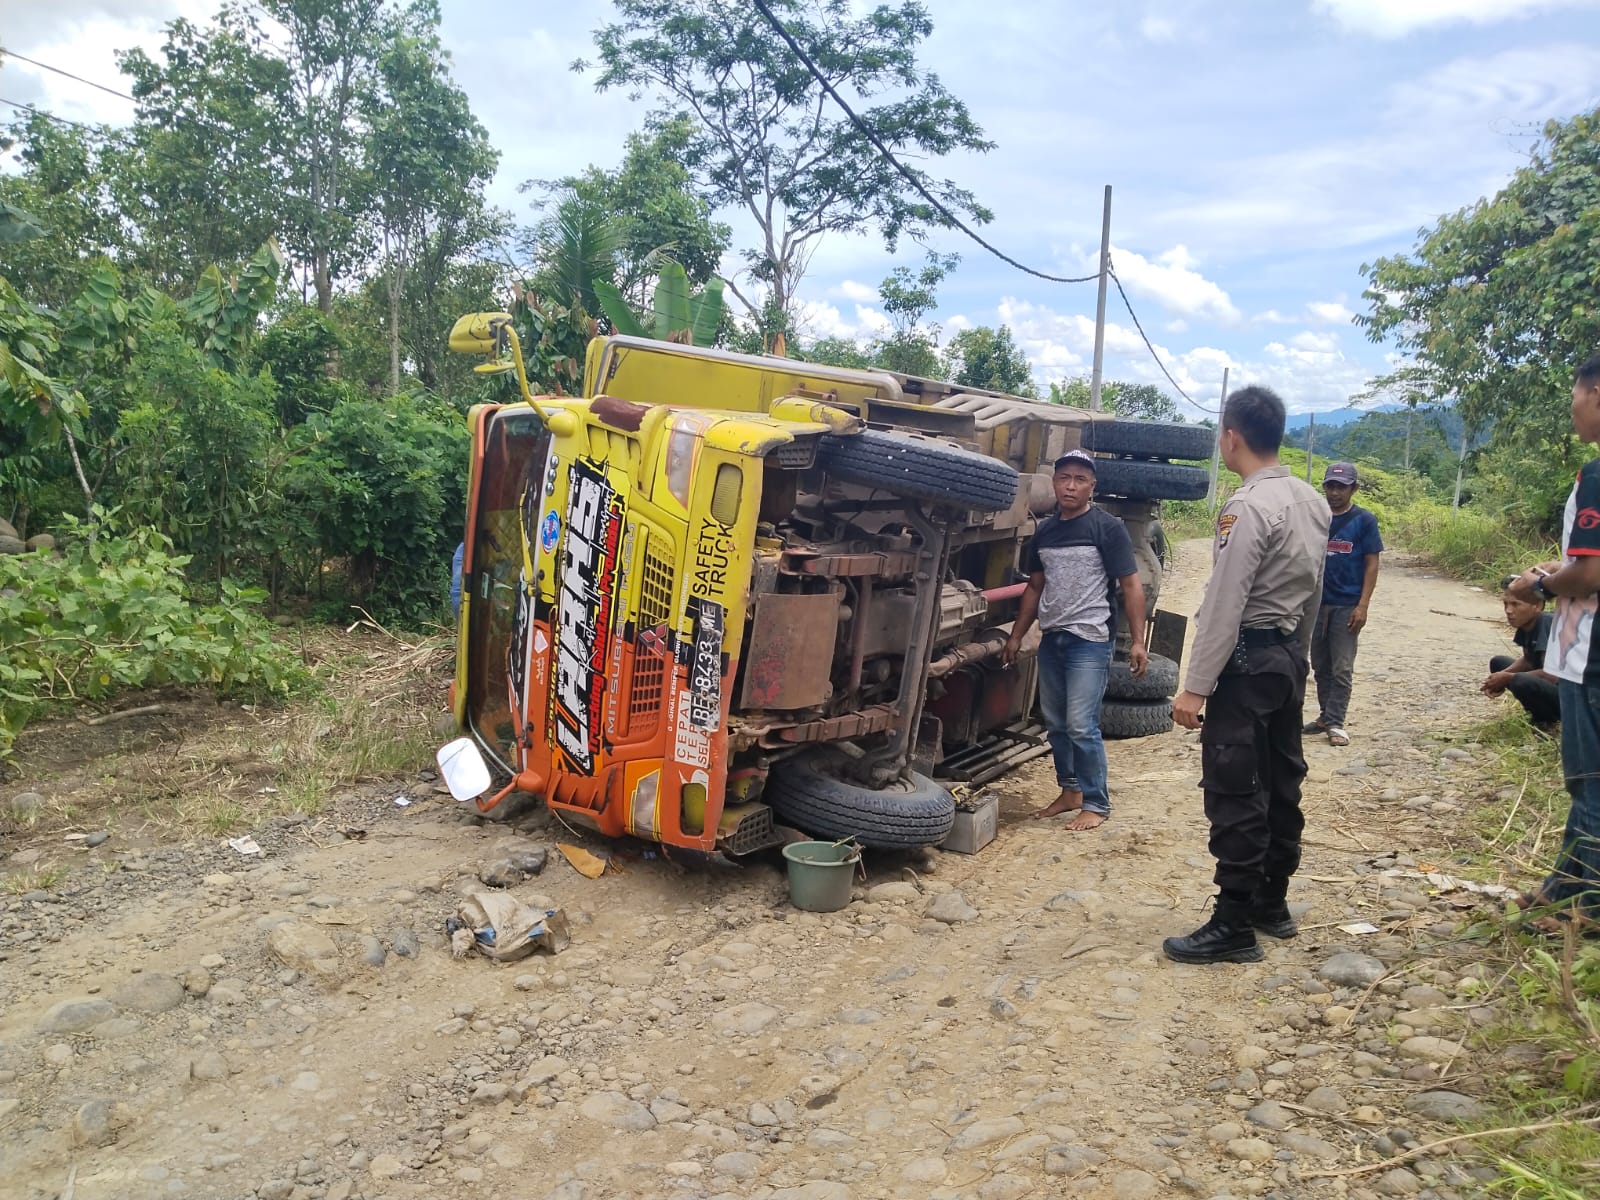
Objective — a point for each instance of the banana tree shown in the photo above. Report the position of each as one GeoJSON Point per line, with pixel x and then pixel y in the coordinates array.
{"type": "Point", "coordinates": [679, 314]}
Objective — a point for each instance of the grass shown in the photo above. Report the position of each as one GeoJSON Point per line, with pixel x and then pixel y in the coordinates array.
{"type": "Point", "coordinates": [38, 879]}
{"type": "Point", "coordinates": [1548, 994]}
{"type": "Point", "coordinates": [370, 719]}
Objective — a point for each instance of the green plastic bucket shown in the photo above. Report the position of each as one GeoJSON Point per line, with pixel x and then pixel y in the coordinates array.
{"type": "Point", "coordinates": [820, 874]}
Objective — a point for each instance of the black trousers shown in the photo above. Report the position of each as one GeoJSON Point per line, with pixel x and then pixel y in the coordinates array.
{"type": "Point", "coordinates": [1251, 767]}
{"type": "Point", "coordinates": [1540, 697]}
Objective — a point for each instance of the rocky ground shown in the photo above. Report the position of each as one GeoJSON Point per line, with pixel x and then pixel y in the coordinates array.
{"type": "Point", "coordinates": [180, 1020]}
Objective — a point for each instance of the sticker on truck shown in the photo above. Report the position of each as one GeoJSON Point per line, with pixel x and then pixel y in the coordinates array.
{"type": "Point", "coordinates": [587, 578]}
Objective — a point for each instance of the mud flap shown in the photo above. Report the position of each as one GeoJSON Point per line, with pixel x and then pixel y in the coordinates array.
{"type": "Point", "coordinates": [1170, 630]}
{"type": "Point", "coordinates": [928, 751]}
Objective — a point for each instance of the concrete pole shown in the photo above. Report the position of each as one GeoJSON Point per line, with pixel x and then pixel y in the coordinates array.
{"type": "Point", "coordinates": [1216, 444]}
{"type": "Point", "coordinates": [1100, 306]}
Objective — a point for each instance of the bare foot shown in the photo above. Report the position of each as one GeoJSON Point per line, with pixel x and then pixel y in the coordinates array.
{"type": "Point", "coordinates": [1064, 803]}
{"type": "Point", "coordinates": [1086, 820]}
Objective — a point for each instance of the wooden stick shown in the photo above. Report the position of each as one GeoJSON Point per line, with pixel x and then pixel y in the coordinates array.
{"type": "Point", "coordinates": [1418, 1152]}
{"type": "Point", "coordinates": [144, 710]}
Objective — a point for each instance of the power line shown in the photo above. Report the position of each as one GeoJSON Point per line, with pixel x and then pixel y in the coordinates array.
{"type": "Point", "coordinates": [110, 91]}
{"type": "Point", "coordinates": [911, 176]}
{"type": "Point", "coordinates": [1150, 347]}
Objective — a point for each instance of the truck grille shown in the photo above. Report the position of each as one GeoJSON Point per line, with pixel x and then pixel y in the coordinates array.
{"type": "Point", "coordinates": [655, 613]}
{"type": "Point", "coordinates": [798, 454]}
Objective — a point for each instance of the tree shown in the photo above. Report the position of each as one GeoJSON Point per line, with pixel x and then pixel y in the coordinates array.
{"type": "Point", "coordinates": [204, 177]}
{"type": "Point", "coordinates": [656, 211]}
{"type": "Point", "coordinates": [430, 159]}
{"type": "Point", "coordinates": [982, 357]}
{"type": "Point", "coordinates": [912, 348]}
{"type": "Point", "coordinates": [1496, 304]}
{"type": "Point", "coordinates": [63, 190]}
{"type": "Point", "coordinates": [766, 139]}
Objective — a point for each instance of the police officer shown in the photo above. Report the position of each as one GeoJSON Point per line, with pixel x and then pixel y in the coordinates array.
{"type": "Point", "coordinates": [1248, 667]}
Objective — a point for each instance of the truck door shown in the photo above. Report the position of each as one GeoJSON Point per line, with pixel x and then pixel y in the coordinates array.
{"type": "Point", "coordinates": [509, 461]}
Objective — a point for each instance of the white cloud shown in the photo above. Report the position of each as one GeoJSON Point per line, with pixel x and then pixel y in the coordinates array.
{"type": "Point", "coordinates": [1171, 280]}
{"type": "Point", "coordinates": [860, 293]}
{"type": "Point", "coordinates": [1177, 326]}
{"type": "Point", "coordinates": [1158, 29]}
{"type": "Point", "coordinates": [818, 319]}
{"type": "Point", "coordinates": [957, 323]}
{"type": "Point", "coordinates": [1272, 317]}
{"type": "Point", "coordinates": [1397, 18]}
{"type": "Point", "coordinates": [1317, 343]}
{"type": "Point", "coordinates": [1308, 370]}
{"type": "Point", "coordinates": [1330, 312]}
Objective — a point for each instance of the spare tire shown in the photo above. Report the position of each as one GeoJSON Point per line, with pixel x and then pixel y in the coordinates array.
{"type": "Point", "coordinates": [1149, 439]}
{"type": "Point", "coordinates": [1140, 480]}
{"type": "Point", "coordinates": [1158, 683]}
{"type": "Point", "coordinates": [914, 811]}
{"type": "Point", "coordinates": [920, 468]}
{"type": "Point", "coordinates": [1135, 718]}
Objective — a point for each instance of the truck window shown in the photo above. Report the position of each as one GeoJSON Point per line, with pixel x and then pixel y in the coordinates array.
{"type": "Point", "coordinates": [515, 445]}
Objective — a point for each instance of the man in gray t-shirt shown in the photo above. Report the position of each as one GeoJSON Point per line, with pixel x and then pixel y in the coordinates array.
{"type": "Point", "coordinates": [1076, 561]}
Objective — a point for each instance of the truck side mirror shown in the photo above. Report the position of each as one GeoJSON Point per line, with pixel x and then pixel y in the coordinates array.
{"type": "Point", "coordinates": [481, 333]}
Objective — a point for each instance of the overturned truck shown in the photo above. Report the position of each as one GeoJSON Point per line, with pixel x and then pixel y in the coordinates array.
{"type": "Point", "coordinates": [721, 593]}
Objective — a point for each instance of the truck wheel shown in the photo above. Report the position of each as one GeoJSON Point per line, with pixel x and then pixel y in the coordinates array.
{"type": "Point", "coordinates": [1135, 718]}
{"type": "Point", "coordinates": [1140, 480]}
{"type": "Point", "coordinates": [1148, 439]}
{"type": "Point", "coordinates": [1158, 683]}
{"type": "Point", "coordinates": [911, 812]}
{"type": "Point", "coordinates": [923, 469]}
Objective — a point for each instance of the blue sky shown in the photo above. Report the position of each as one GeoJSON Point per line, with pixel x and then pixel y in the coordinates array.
{"type": "Point", "coordinates": [1260, 151]}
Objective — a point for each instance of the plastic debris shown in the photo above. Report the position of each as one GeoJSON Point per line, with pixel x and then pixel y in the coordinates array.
{"type": "Point", "coordinates": [1359, 927]}
{"type": "Point", "coordinates": [503, 928]}
{"type": "Point", "coordinates": [245, 845]}
{"type": "Point", "coordinates": [403, 801]}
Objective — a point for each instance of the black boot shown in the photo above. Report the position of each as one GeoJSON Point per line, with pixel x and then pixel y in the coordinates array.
{"type": "Point", "coordinates": [1227, 937]}
{"type": "Point", "coordinates": [1269, 910]}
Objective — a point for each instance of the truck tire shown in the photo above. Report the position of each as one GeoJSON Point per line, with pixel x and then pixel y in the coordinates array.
{"type": "Point", "coordinates": [908, 814]}
{"type": "Point", "coordinates": [1135, 718]}
{"type": "Point", "coordinates": [1160, 682]}
{"type": "Point", "coordinates": [1140, 480]}
{"type": "Point", "coordinates": [920, 468]}
{"type": "Point", "coordinates": [1149, 439]}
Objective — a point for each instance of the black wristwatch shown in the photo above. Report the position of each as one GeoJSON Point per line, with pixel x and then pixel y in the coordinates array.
{"type": "Point", "coordinates": [1542, 588]}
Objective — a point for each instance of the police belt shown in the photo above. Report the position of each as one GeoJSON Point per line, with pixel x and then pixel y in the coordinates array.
{"type": "Point", "coordinates": [1267, 636]}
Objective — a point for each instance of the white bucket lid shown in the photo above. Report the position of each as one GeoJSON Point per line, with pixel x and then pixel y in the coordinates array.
{"type": "Point", "coordinates": [465, 773]}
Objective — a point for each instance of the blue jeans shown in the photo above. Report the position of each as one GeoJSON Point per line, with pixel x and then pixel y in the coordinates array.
{"type": "Point", "coordinates": [1576, 877]}
{"type": "Point", "coordinates": [1072, 682]}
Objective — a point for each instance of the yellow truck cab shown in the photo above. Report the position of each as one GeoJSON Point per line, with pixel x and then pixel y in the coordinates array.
{"type": "Point", "coordinates": [719, 592]}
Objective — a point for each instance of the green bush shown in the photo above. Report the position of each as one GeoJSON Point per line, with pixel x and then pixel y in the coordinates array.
{"type": "Point", "coordinates": [96, 620]}
{"type": "Point", "coordinates": [382, 484]}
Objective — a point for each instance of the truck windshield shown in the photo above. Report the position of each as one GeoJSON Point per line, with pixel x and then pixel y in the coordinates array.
{"type": "Point", "coordinates": [515, 442]}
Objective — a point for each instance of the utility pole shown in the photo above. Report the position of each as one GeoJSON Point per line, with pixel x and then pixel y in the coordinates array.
{"type": "Point", "coordinates": [1216, 444]}
{"type": "Point", "coordinates": [1311, 444]}
{"type": "Point", "coordinates": [1100, 306]}
{"type": "Point", "coordinates": [1461, 469]}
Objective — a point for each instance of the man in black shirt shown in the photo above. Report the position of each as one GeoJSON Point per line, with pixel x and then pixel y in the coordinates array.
{"type": "Point", "coordinates": [1076, 562]}
{"type": "Point", "coordinates": [1525, 677]}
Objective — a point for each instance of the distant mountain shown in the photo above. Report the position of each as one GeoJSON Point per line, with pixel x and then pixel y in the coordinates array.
{"type": "Point", "coordinates": [1337, 416]}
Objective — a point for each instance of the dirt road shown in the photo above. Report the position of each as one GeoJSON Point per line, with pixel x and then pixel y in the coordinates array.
{"type": "Point", "coordinates": [180, 1028]}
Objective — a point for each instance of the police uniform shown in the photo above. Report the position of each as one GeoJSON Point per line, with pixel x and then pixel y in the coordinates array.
{"type": "Point", "coordinates": [1250, 659]}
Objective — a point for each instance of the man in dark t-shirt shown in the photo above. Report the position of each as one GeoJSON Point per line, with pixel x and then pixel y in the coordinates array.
{"type": "Point", "coordinates": [1348, 579]}
{"type": "Point", "coordinates": [1076, 562]}
{"type": "Point", "coordinates": [1524, 676]}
